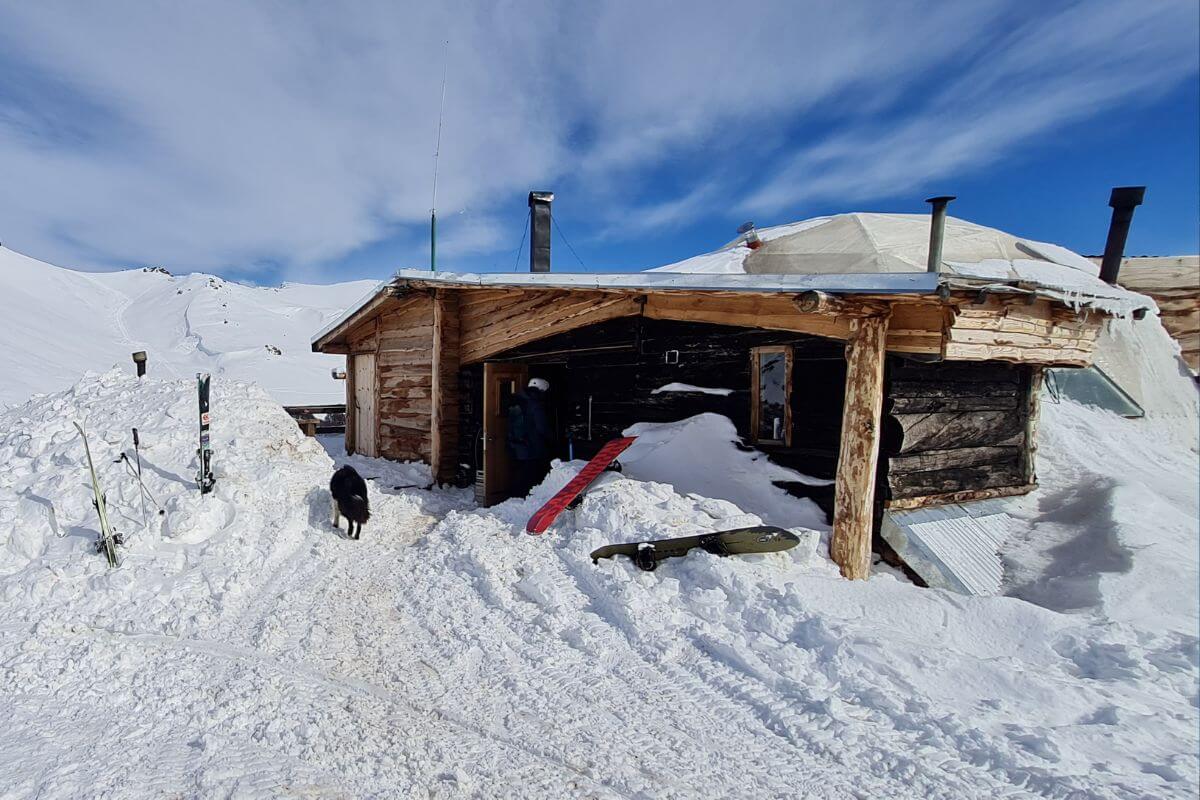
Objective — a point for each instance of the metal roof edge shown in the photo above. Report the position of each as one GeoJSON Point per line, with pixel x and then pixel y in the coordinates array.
{"type": "Point", "coordinates": [833, 283]}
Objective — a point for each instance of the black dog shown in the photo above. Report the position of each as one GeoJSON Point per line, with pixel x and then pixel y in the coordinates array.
{"type": "Point", "coordinates": [349, 492]}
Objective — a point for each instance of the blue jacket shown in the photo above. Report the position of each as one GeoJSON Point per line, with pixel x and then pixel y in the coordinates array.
{"type": "Point", "coordinates": [529, 435]}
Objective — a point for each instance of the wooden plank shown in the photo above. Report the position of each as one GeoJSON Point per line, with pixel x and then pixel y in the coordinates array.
{"type": "Point", "coordinates": [935, 385]}
{"type": "Point", "coordinates": [1003, 336]}
{"type": "Point", "coordinates": [987, 476]}
{"type": "Point", "coordinates": [771, 313]}
{"type": "Point", "coordinates": [949, 498]}
{"type": "Point", "coordinates": [928, 405]}
{"type": "Point", "coordinates": [538, 320]}
{"type": "Point", "coordinates": [950, 430]}
{"type": "Point", "coordinates": [1050, 357]}
{"type": "Point", "coordinates": [854, 499]}
{"type": "Point", "coordinates": [931, 460]}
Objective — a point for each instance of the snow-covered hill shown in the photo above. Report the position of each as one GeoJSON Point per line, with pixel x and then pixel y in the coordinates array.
{"type": "Point", "coordinates": [59, 323]}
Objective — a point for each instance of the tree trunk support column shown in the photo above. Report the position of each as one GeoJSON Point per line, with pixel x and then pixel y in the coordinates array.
{"type": "Point", "coordinates": [854, 502]}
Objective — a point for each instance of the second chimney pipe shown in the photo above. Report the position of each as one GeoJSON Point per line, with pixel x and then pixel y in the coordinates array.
{"type": "Point", "coordinates": [1124, 199]}
{"type": "Point", "coordinates": [539, 231]}
{"type": "Point", "coordinates": [937, 231]}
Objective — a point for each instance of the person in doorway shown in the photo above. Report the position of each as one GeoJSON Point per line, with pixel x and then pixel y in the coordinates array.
{"type": "Point", "coordinates": [530, 437]}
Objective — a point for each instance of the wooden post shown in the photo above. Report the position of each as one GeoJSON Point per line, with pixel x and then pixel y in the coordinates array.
{"type": "Point", "coordinates": [351, 411]}
{"type": "Point", "coordinates": [854, 502]}
{"type": "Point", "coordinates": [1032, 411]}
{"type": "Point", "coordinates": [443, 421]}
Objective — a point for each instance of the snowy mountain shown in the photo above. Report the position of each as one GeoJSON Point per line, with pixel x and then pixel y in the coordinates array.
{"type": "Point", "coordinates": [59, 323]}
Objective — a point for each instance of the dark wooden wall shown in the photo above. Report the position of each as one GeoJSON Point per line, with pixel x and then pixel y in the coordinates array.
{"type": "Point", "coordinates": [953, 427]}
{"type": "Point", "coordinates": [619, 363]}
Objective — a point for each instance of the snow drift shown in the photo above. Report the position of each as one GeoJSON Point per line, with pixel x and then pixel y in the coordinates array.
{"type": "Point", "coordinates": [245, 649]}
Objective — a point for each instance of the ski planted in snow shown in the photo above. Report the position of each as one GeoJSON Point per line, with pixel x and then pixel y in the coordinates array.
{"type": "Point", "coordinates": [544, 517]}
{"type": "Point", "coordinates": [204, 474]}
{"type": "Point", "coordinates": [107, 544]}
{"type": "Point", "coordinates": [742, 541]}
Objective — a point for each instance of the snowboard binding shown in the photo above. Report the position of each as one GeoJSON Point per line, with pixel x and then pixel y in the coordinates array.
{"type": "Point", "coordinates": [646, 559]}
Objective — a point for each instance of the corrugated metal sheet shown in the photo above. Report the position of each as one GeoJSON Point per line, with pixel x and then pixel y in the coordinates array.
{"type": "Point", "coordinates": [955, 547]}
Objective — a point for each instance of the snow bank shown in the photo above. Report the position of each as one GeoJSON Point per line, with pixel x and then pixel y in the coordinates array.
{"type": "Point", "coordinates": [245, 649]}
{"type": "Point", "coordinates": [699, 456]}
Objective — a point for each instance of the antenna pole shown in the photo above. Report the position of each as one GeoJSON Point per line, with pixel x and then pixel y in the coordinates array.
{"type": "Point", "coordinates": [436, 154]}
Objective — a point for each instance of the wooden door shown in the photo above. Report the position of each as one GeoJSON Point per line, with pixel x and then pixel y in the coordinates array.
{"type": "Point", "coordinates": [364, 404]}
{"type": "Point", "coordinates": [500, 383]}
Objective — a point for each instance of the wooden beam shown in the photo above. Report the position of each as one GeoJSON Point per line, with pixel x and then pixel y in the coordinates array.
{"type": "Point", "coordinates": [770, 312]}
{"type": "Point", "coordinates": [854, 499]}
{"type": "Point", "coordinates": [966, 496]}
{"type": "Point", "coordinates": [1033, 410]}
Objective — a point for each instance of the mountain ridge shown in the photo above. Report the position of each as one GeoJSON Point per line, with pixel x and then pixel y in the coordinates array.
{"type": "Point", "coordinates": [60, 323]}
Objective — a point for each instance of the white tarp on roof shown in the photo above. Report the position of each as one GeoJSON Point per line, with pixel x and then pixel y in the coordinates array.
{"type": "Point", "coordinates": [896, 243]}
{"type": "Point", "coordinates": [878, 243]}
{"type": "Point", "coordinates": [890, 244]}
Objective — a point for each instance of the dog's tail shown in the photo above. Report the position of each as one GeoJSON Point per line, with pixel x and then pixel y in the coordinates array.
{"type": "Point", "coordinates": [356, 509]}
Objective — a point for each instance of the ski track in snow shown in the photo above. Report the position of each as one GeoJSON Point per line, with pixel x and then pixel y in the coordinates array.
{"type": "Point", "coordinates": [246, 649]}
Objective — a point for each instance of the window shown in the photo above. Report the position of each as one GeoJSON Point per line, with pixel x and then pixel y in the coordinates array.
{"type": "Point", "coordinates": [771, 394]}
{"type": "Point", "coordinates": [1091, 387]}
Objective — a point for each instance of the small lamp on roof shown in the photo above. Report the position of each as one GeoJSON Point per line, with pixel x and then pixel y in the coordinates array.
{"type": "Point", "coordinates": [750, 233]}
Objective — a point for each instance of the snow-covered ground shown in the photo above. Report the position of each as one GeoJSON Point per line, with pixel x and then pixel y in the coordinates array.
{"type": "Point", "coordinates": [245, 649]}
{"type": "Point", "coordinates": [60, 323]}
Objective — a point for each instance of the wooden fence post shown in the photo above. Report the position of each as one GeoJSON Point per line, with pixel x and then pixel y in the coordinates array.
{"type": "Point", "coordinates": [854, 502]}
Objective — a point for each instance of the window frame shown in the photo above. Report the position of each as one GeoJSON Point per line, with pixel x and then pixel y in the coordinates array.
{"type": "Point", "coordinates": [756, 354]}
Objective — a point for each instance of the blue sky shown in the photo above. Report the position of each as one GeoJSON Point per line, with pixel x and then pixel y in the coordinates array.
{"type": "Point", "coordinates": [294, 141]}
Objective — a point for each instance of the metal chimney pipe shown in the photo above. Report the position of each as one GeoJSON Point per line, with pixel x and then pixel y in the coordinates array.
{"type": "Point", "coordinates": [139, 358]}
{"type": "Point", "coordinates": [539, 231]}
{"type": "Point", "coordinates": [1124, 200]}
{"type": "Point", "coordinates": [937, 230]}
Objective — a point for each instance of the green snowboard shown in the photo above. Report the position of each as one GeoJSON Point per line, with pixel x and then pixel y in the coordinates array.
{"type": "Point", "coordinates": [646, 555]}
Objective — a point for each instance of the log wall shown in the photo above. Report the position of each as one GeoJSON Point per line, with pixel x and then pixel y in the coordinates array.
{"type": "Point", "coordinates": [951, 428]}
{"type": "Point", "coordinates": [1174, 283]}
{"type": "Point", "coordinates": [1014, 330]}
{"type": "Point", "coordinates": [404, 363]}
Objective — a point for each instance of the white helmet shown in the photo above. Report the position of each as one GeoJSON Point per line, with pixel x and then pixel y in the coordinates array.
{"type": "Point", "coordinates": [541, 384]}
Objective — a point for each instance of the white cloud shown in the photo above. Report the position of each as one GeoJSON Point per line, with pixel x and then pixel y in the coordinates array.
{"type": "Point", "coordinates": [1038, 77]}
{"type": "Point", "coordinates": [222, 135]}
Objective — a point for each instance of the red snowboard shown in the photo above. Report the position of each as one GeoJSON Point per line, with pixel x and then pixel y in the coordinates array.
{"type": "Point", "coordinates": [544, 517]}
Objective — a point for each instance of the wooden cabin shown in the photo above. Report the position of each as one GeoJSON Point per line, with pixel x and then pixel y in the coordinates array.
{"type": "Point", "coordinates": [907, 389]}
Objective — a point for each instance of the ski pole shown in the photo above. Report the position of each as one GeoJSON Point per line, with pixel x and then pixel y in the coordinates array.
{"type": "Point", "coordinates": [129, 468]}
{"type": "Point", "coordinates": [137, 453]}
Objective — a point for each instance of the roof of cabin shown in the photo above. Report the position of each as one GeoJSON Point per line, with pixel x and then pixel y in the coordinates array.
{"type": "Point", "coordinates": [855, 253]}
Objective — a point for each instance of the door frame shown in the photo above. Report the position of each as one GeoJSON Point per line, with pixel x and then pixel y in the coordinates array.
{"type": "Point", "coordinates": [366, 445]}
{"type": "Point", "coordinates": [497, 469]}
{"type": "Point", "coordinates": [755, 386]}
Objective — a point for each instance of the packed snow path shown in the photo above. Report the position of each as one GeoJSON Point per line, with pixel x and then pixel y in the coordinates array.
{"type": "Point", "coordinates": [246, 649]}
